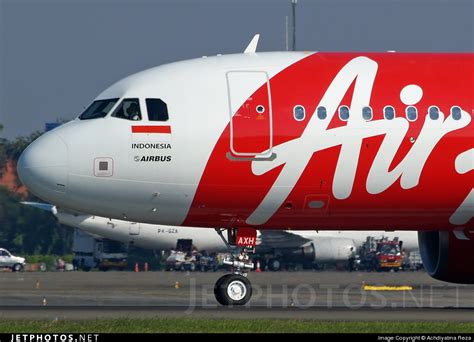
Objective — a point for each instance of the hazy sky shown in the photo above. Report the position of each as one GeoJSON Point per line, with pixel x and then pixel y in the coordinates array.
{"type": "Point", "coordinates": [58, 55]}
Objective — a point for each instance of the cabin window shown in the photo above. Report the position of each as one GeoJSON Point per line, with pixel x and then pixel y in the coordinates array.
{"type": "Point", "coordinates": [456, 112]}
{"type": "Point", "coordinates": [367, 113]}
{"type": "Point", "coordinates": [299, 113]}
{"type": "Point", "coordinates": [412, 113]}
{"type": "Point", "coordinates": [344, 113]}
{"type": "Point", "coordinates": [98, 109]}
{"type": "Point", "coordinates": [128, 109]}
{"type": "Point", "coordinates": [322, 112]}
{"type": "Point", "coordinates": [433, 112]}
{"type": "Point", "coordinates": [389, 113]}
{"type": "Point", "coordinates": [157, 110]}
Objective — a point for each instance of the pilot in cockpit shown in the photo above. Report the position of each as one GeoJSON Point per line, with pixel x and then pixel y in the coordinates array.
{"type": "Point", "coordinates": [133, 112]}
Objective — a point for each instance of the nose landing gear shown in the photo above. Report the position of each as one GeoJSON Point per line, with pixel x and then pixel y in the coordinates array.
{"type": "Point", "coordinates": [235, 289]}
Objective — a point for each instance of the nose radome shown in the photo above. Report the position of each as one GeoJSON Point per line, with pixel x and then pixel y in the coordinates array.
{"type": "Point", "coordinates": [43, 167]}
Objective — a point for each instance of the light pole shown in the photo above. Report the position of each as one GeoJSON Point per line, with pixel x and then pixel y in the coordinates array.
{"type": "Point", "coordinates": [293, 7]}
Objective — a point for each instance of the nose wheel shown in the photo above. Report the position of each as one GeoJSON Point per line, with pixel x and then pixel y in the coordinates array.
{"type": "Point", "coordinates": [233, 289]}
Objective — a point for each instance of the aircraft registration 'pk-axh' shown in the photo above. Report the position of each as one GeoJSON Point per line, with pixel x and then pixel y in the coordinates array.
{"type": "Point", "coordinates": [278, 140]}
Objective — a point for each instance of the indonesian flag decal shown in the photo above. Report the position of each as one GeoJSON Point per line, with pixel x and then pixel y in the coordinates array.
{"type": "Point", "coordinates": [151, 129]}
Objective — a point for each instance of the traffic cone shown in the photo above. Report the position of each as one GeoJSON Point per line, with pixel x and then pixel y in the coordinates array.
{"type": "Point", "coordinates": [145, 267]}
{"type": "Point", "coordinates": [257, 269]}
{"type": "Point", "coordinates": [44, 301]}
{"type": "Point", "coordinates": [136, 267]}
{"type": "Point", "coordinates": [177, 285]}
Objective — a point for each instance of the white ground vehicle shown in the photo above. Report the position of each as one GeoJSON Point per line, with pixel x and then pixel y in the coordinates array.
{"type": "Point", "coordinates": [181, 261]}
{"type": "Point", "coordinates": [96, 252]}
{"type": "Point", "coordinates": [11, 261]}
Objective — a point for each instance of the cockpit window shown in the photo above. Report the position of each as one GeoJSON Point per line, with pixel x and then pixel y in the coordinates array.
{"type": "Point", "coordinates": [157, 110]}
{"type": "Point", "coordinates": [129, 109]}
{"type": "Point", "coordinates": [98, 109]}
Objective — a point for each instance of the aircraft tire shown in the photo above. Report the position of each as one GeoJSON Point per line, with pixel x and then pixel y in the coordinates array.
{"type": "Point", "coordinates": [233, 289]}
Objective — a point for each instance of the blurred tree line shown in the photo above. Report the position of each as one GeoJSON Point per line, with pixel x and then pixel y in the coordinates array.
{"type": "Point", "coordinates": [12, 149]}
{"type": "Point", "coordinates": [23, 229]}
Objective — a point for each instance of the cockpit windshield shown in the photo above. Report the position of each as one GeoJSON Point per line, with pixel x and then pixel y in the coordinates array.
{"type": "Point", "coordinates": [389, 249]}
{"type": "Point", "coordinates": [98, 109]}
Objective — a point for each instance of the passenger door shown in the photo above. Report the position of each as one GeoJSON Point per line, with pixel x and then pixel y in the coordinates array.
{"type": "Point", "coordinates": [251, 127]}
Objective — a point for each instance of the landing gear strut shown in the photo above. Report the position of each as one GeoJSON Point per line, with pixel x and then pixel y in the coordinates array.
{"type": "Point", "coordinates": [235, 289]}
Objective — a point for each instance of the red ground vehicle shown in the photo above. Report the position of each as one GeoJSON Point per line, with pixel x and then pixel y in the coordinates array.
{"type": "Point", "coordinates": [381, 254]}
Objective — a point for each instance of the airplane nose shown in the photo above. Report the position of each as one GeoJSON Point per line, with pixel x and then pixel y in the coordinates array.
{"type": "Point", "coordinates": [43, 167]}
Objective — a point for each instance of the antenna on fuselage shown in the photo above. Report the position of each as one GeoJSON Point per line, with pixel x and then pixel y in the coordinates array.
{"type": "Point", "coordinates": [252, 47]}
